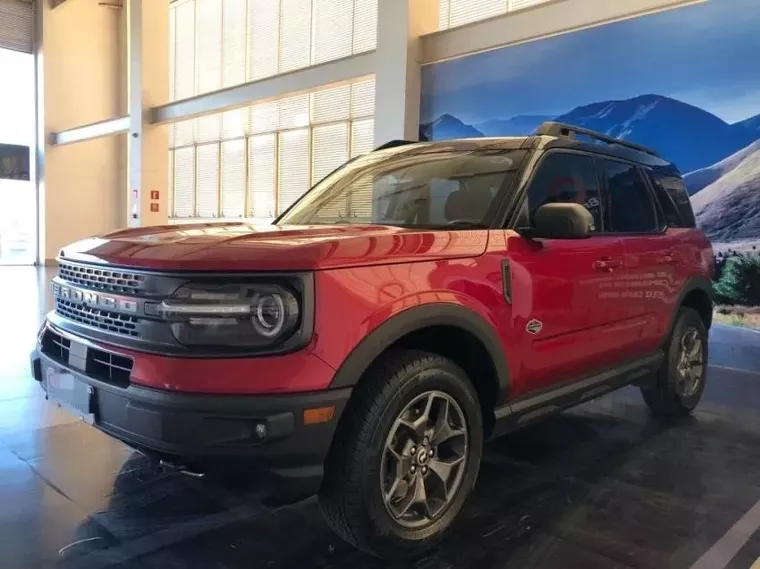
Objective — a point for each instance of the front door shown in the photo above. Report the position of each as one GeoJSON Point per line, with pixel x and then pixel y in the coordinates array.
{"type": "Point", "coordinates": [566, 294]}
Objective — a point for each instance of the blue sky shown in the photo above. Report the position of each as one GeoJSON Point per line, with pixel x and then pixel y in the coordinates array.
{"type": "Point", "coordinates": [706, 55]}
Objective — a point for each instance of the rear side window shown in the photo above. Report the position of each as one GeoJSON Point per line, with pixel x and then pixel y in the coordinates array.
{"type": "Point", "coordinates": [630, 204]}
{"type": "Point", "coordinates": [674, 200]}
{"type": "Point", "coordinates": [566, 178]}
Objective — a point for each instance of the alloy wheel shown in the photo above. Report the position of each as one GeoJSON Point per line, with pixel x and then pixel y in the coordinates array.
{"type": "Point", "coordinates": [691, 363]}
{"type": "Point", "coordinates": [424, 459]}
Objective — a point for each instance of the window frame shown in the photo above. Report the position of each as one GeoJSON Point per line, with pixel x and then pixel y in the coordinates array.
{"type": "Point", "coordinates": [661, 226]}
{"type": "Point", "coordinates": [521, 200]}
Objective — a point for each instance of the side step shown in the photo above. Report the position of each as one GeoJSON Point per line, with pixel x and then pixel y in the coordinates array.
{"type": "Point", "coordinates": [534, 406]}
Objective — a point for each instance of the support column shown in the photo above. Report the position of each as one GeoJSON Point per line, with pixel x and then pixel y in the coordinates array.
{"type": "Point", "coordinates": [147, 87]}
{"type": "Point", "coordinates": [400, 23]}
{"type": "Point", "coordinates": [80, 186]}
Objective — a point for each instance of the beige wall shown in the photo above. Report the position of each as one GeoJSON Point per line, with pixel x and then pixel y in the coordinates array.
{"type": "Point", "coordinates": [83, 189]}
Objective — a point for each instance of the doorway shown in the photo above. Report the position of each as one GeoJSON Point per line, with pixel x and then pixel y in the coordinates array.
{"type": "Point", "coordinates": [18, 200]}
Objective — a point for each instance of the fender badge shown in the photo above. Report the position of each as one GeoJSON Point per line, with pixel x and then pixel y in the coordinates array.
{"type": "Point", "coordinates": [534, 327]}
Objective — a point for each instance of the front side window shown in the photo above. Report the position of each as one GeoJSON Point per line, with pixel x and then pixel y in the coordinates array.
{"type": "Point", "coordinates": [566, 178]}
{"type": "Point", "coordinates": [631, 208]}
{"type": "Point", "coordinates": [411, 188]}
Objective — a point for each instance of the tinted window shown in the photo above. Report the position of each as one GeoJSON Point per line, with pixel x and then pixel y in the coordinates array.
{"type": "Point", "coordinates": [411, 188]}
{"type": "Point", "coordinates": [674, 200]}
{"type": "Point", "coordinates": [566, 178]}
{"type": "Point", "coordinates": [631, 208]}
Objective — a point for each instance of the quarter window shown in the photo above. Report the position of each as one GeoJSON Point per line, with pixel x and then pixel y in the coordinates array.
{"type": "Point", "coordinates": [566, 178]}
{"type": "Point", "coordinates": [631, 208]}
{"type": "Point", "coordinates": [674, 200]}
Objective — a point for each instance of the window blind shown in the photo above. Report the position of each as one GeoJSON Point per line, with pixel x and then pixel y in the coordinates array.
{"type": "Point", "coordinates": [329, 149]}
{"type": "Point", "coordinates": [207, 172]}
{"type": "Point", "coordinates": [331, 16]}
{"type": "Point", "coordinates": [295, 34]}
{"type": "Point", "coordinates": [520, 4]}
{"type": "Point", "coordinates": [234, 30]}
{"type": "Point", "coordinates": [264, 34]}
{"type": "Point", "coordinates": [453, 13]}
{"type": "Point", "coordinates": [270, 152]}
{"type": "Point", "coordinates": [17, 25]}
{"type": "Point", "coordinates": [222, 43]}
{"type": "Point", "coordinates": [262, 177]}
{"type": "Point", "coordinates": [184, 182]}
{"type": "Point", "coordinates": [233, 178]}
{"type": "Point", "coordinates": [208, 45]}
{"type": "Point", "coordinates": [293, 167]}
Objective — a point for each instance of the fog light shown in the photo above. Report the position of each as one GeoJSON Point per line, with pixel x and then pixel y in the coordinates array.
{"type": "Point", "coordinates": [261, 430]}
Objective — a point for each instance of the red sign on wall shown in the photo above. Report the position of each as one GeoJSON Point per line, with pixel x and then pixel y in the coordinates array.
{"type": "Point", "coordinates": [154, 207]}
{"type": "Point", "coordinates": [154, 194]}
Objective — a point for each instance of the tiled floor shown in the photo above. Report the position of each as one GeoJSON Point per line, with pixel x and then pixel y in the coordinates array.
{"type": "Point", "coordinates": [601, 487]}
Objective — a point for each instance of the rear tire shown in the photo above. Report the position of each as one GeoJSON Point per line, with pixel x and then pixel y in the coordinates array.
{"type": "Point", "coordinates": [377, 469]}
{"type": "Point", "coordinates": [680, 381]}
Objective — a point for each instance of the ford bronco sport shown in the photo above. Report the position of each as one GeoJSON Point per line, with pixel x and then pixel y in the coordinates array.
{"type": "Point", "coordinates": [416, 302]}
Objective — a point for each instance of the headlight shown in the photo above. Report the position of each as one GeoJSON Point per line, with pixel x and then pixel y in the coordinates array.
{"type": "Point", "coordinates": [239, 315]}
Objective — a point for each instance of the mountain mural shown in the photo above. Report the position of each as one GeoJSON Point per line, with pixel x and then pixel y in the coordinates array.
{"type": "Point", "coordinates": [687, 135]}
{"type": "Point", "coordinates": [729, 208]}
{"type": "Point", "coordinates": [448, 126]}
{"type": "Point", "coordinates": [720, 161]}
{"type": "Point", "coordinates": [683, 133]}
{"type": "Point", "coordinates": [515, 126]}
{"type": "Point", "coordinates": [703, 177]}
{"type": "Point", "coordinates": [752, 123]}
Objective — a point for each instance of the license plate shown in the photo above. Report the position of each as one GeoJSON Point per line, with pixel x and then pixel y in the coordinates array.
{"type": "Point", "coordinates": [68, 392]}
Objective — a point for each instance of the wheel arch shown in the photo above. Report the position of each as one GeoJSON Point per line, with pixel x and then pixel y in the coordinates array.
{"type": "Point", "coordinates": [423, 327]}
{"type": "Point", "coordinates": [696, 294]}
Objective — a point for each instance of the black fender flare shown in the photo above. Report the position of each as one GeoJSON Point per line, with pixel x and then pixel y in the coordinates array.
{"type": "Point", "coordinates": [418, 318]}
{"type": "Point", "coordinates": [697, 282]}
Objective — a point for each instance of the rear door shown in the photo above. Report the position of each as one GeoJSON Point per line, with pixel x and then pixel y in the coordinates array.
{"type": "Point", "coordinates": [650, 259]}
{"type": "Point", "coordinates": [565, 305]}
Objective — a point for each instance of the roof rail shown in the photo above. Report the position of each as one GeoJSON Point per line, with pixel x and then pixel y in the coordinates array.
{"type": "Point", "coordinates": [394, 143]}
{"type": "Point", "coordinates": [551, 128]}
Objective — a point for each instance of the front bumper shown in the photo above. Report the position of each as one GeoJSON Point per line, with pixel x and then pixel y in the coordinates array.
{"type": "Point", "coordinates": [200, 426]}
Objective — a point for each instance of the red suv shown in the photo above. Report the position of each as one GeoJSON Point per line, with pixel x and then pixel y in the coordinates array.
{"type": "Point", "coordinates": [419, 300]}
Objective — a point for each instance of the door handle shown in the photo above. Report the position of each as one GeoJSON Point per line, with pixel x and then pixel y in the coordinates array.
{"type": "Point", "coordinates": [608, 264]}
{"type": "Point", "coordinates": [667, 259]}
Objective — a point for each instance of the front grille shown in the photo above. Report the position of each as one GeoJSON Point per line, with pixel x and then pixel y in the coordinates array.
{"type": "Point", "coordinates": [97, 318]}
{"type": "Point", "coordinates": [109, 367]}
{"type": "Point", "coordinates": [105, 366]}
{"type": "Point", "coordinates": [56, 346]}
{"type": "Point", "coordinates": [116, 281]}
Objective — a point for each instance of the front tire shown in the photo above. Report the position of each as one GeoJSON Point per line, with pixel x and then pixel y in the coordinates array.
{"type": "Point", "coordinates": [405, 457]}
{"type": "Point", "coordinates": [681, 380]}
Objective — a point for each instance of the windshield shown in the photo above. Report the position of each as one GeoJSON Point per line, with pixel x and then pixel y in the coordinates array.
{"type": "Point", "coordinates": [411, 189]}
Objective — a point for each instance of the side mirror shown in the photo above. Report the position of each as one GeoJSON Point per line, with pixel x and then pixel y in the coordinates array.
{"type": "Point", "coordinates": [560, 221]}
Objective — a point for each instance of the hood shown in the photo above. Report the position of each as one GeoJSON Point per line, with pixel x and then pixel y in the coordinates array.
{"type": "Point", "coordinates": [246, 247]}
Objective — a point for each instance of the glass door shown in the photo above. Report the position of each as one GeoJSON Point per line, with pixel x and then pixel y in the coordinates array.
{"type": "Point", "coordinates": [18, 200]}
